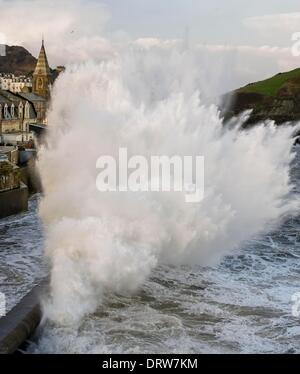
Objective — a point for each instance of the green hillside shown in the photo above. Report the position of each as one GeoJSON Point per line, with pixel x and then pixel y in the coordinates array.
{"type": "Point", "coordinates": [271, 86]}
{"type": "Point", "coordinates": [276, 98]}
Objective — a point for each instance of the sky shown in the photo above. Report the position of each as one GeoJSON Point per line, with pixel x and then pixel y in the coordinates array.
{"type": "Point", "coordinates": [213, 21]}
{"type": "Point", "coordinates": [257, 34]}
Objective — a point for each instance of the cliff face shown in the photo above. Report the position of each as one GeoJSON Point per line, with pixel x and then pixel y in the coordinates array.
{"type": "Point", "coordinates": [18, 61]}
{"type": "Point", "coordinates": [277, 98]}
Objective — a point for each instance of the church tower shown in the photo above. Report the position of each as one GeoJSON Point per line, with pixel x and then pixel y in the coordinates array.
{"type": "Point", "coordinates": [42, 75]}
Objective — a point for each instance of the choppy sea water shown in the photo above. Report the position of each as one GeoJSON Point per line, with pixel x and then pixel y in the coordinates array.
{"type": "Point", "coordinates": [21, 260]}
{"type": "Point", "coordinates": [243, 305]}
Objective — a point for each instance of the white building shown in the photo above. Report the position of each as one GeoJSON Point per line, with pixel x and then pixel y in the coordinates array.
{"type": "Point", "coordinates": [10, 82]}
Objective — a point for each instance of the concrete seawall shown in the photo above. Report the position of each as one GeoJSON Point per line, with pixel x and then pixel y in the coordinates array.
{"type": "Point", "coordinates": [13, 201]}
{"type": "Point", "coordinates": [31, 178]}
{"type": "Point", "coordinates": [20, 323]}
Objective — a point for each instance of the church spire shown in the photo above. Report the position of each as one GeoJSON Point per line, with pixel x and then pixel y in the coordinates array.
{"type": "Point", "coordinates": [42, 74]}
{"type": "Point", "coordinates": [42, 66]}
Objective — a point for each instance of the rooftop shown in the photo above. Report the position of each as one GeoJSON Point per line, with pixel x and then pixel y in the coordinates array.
{"type": "Point", "coordinates": [31, 96]}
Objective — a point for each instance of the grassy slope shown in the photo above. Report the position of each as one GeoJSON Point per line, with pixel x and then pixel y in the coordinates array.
{"type": "Point", "coordinates": [271, 86]}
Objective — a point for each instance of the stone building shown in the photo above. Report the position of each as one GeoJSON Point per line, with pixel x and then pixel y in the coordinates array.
{"type": "Point", "coordinates": [11, 152]}
{"type": "Point", "coordinates": [13, 192]}
{"type": "Point", "coordinates": [10, 176]}
{"type": "Point", "coordinates": [36, 91]}
{"type": "Point", "coordinates": [16, 114]}
{"type": "Point", "coordinates": [42, 80]}
{"type": "Point", "coordinates": [39, 103]}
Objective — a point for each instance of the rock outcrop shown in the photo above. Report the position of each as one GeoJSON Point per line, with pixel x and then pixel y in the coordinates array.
{"type": "Point", "coordinates": [277, 99]}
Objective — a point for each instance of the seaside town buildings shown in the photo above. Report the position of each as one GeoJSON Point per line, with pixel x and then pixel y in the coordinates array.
{"type": "Point", "coordinates": [23, 107]}
{"type": "Point", "coordinates": [16, 114]}
{"type": "Point", "coordinates": [24, 102]}
{"type": "Point", "coordinates": [10, 82]}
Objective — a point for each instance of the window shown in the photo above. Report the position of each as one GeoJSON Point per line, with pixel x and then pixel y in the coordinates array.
{"type": "Point", "coordinates": [5, 111]}
{"type": "Point", "coordinates": [27, 110]}
{"type": "Point", "coordinates": [40, 84]}
{"type": "Point", "coordinates": [21, 110]}
{"type": "Point", "coordinates": [12, 110]}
